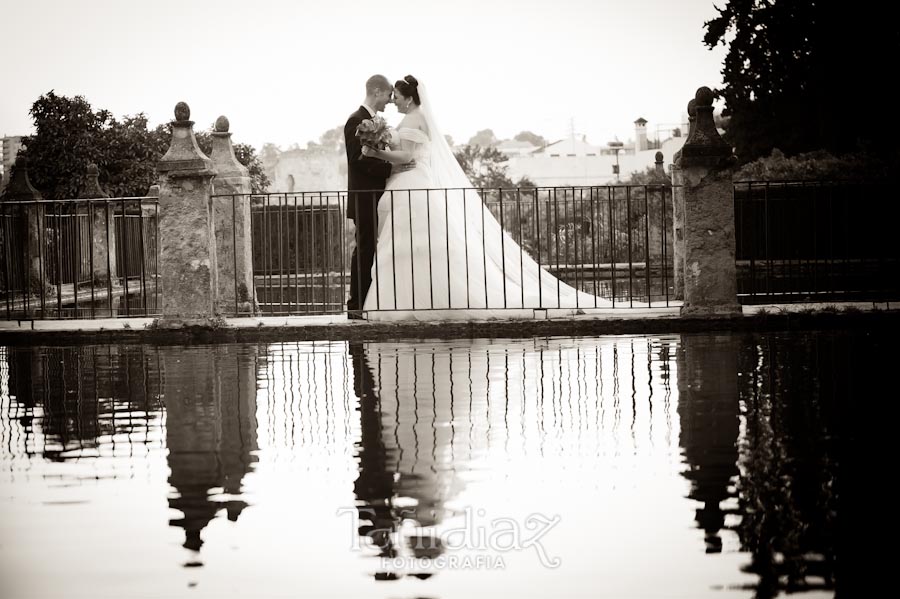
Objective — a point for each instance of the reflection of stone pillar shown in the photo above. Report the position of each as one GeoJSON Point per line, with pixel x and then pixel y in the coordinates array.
{"type": "Point", "coordinates": [232, 224]}
{"type": "Point", "coordinates": [710, 285]}
{"type": "Point", "coordinates": [31, 217]}
{"type": "Point", "coordinates": [187, 256]}
{"type": "Point", "coordinates": [103, 230]}
{"type": "Point", "coordinates": [210, 399]}
{"type": "Point", "coordinates": [708, 409]}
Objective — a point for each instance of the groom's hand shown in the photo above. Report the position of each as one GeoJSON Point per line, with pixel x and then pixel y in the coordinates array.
{"type": "Point", "coordinates": [406, 166]}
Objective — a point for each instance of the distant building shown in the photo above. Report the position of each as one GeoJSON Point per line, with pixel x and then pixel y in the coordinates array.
{"type": "Point", "coordinates": [511, 147]}
{"type": "Point", "coordinates": [8, 150]}
{"type": "Point", "coordinates": [312, 169]}
{"type": "Point", "coordinates": [575, 161]}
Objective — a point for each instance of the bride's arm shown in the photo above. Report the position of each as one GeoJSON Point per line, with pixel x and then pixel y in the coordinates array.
{"type": "Point", "coordinates": [400, 156]}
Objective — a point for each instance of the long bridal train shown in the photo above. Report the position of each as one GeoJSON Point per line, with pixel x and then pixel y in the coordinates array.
{"type": "Point", "coordinates": [444, 256]}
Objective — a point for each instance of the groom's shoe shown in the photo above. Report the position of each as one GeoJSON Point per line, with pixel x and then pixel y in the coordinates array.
{"type": "Point", "coordinates": [354, 315]}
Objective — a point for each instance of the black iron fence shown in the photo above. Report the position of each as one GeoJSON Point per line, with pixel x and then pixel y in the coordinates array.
{"type": "Point", "coordinates": [301, 245]}
{"type": "Point", "coordinates": [805, 241]}
{"type": "Point", "coordinates": [612, 243]}
{"type": "Point", "coordinates": [79, 258]}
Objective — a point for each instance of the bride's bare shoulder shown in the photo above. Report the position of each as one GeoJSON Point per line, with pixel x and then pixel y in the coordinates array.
{"type": "Point", "coordinates": [417, 121]}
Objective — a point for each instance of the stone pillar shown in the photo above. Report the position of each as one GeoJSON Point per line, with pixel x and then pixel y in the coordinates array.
{"type": "Point", "coordinates": [232, 224]}
{"type": "Point", "coordinates": [678, 229]}
{"type": "Point", "coordinates": [658, 164]}
{"type": "Point", "coordinates": [103, 230]}
{"type": "Point", "coordinates": [31, 216]}
{"type": "Point", "coordinates": [707, 223]}
{"type": "Point", "coordinates": [187, 255]}
{"type": "Point", "coordinates": [678, 211]}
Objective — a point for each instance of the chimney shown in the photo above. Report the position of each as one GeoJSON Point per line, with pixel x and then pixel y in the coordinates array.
{"type": "Point", "coordinates": [640, 135]}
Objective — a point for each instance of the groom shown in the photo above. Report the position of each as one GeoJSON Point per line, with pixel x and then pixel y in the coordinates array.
{"type": "Point", "coordinates": [366, 178]}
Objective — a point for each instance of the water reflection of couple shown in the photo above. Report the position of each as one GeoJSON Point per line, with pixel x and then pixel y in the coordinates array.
{"type": "Point", "coordinates": [423, 252]}
{"type": "Point", "coordinates": [388, 494]}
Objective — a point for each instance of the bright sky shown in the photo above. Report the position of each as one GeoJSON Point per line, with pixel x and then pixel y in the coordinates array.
{"type": "Point", "coordinates": [285, 71]}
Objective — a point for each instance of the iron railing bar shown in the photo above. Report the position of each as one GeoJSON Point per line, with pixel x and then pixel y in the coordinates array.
{"type": "Point", "coordinates": [664, 252]}
{"type": "Point", "coordinates": [234, 225]}
{"type": "Point", "coordinates": [466, 246]}
{"type": "Point", "coordinates": [125, 246]}
{"type": "Point", "coordinates": [556, 237]}
{"type": "Point", "coordinates": [595, 232]}
{"type": "Point", "coordinates": [325, 255]}
{"type": "Point", "coordinates": [612, 241]}
{"type": "Point", "coordinates": [503, 250]}
{"type": "Point", "coordinates": [143, 253]}
{"type": "Point", "coordinates": [393, 252]}
{"type": "Point", "coordinates": [412, 253]}
{"type": "Point", "coordinates": [430, 256]}
{"type": "Point", "coordinates": [447, 240]}
{"type": "Point", "coordinates": [647, 244]}
{"type": "Point", "coordinates": [483, 209]}
{"type": "Point", "coordinates": [282, 202]}
{"type": "Point", "coordinates": [630, 261]}
{"type": "Point", "coordinates": [91, 250]}
{"type": "Point", "coordinates": [537, 228]}
{"type": "Point", "coordinates": [521, 246]}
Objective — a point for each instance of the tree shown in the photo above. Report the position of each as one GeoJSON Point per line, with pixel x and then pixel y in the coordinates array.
{"type": "Point", "coordinates": [648, 176]}
{"type": "Point", "coordinates": [130, 154]}
{"type": "Point", "coordinates": [484, 139]}
{"type": "Point", "coordinates": [485, 168]}
{"type": "Point", "coordinates": [269, 153]}
{"type": "Point", "coordinates": [795, 73]}
{"type": "Point", "coordinates": [330, 141]}
{"type": "Point", "coordinates": [532, 138]}
{"type": "Point", "coordinates": [70, 135]}
{"type": "Point", "coordinates": [64, 144]}
{"type": "Point", "coordinates": [819, 165]}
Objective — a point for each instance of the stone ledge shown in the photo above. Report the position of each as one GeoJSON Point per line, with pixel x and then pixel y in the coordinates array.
{"type": "Point", "coordinates": [337, 328]}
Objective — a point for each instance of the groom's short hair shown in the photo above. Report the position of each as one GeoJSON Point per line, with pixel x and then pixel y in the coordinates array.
{"type": "Point", "coordinates": [378, 83]}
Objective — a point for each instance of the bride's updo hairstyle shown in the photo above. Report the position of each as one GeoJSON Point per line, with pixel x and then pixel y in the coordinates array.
{"type": "Point", "coordinates": [409, 87]}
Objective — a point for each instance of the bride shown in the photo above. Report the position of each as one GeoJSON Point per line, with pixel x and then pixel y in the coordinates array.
{"type": "Point", "coordinates": [441, 254]}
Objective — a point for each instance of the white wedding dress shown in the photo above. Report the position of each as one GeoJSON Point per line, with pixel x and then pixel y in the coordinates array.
{"type": "Point", "coordinates": [442, 255]}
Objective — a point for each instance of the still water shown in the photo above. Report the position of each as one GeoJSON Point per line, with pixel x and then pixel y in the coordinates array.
{"type": "Point", "coordinates": [664, 466]}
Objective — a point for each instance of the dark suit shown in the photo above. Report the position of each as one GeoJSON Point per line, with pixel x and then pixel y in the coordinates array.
{"type": "Point", "coordinates": [366, 178]}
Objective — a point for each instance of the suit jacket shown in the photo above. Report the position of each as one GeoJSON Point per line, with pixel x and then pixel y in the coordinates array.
{"type": "Point", "coordinates": [363, 172]}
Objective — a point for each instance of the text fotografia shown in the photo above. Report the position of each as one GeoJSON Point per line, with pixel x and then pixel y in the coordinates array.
{"type": "Point", "coordinates": [442, 562]}
{"type": "Point", "coordinates": [476, 534]}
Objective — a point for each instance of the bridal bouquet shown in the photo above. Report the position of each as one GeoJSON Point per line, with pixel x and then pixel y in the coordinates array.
{"type": "Point", "coordinates": [374, 132]}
